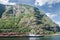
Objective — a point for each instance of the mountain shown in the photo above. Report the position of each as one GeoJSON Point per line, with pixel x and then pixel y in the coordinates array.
{"type": "Point", "coordinates": [26, 18]}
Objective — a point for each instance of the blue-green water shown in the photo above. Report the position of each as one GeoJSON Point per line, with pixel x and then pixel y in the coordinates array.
{"type": "Point", "coordinates": [32, 38]}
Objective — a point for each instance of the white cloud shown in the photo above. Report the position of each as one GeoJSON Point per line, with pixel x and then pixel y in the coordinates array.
{"type": "Point", "coordinates": [50, 6]}
{"type": "Point", "coordinates": [51, 15]}
{"type": "Point", "coordinates": [5, 2]}
{"type": "Point", "coordinates": [42, 2]}
{"type": "Point", "coordinates": [58, 23]}
{"type": "Point", "coordinates": [10, 4]}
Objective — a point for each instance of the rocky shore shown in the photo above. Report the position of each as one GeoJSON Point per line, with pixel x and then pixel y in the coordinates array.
{"type": "Point", "coordinates": [17, 34]}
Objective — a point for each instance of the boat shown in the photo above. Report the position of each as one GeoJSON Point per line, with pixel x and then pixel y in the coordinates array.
{"type": "Point", "coordinates": [34, 35]}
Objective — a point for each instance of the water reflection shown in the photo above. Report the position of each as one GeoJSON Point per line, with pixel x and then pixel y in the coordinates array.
{"type": "Point", "coordinates": [14, 38]}
{"type": "Point", "coordinates": [40, 38]}
{"type": "Point", "coordinates": [32, 38]}
{"type": "Point", "coordinates": [45, 38]}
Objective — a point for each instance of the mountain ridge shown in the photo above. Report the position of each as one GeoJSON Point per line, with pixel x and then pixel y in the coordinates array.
{"type": "Point", "coordinates": [29, 18]}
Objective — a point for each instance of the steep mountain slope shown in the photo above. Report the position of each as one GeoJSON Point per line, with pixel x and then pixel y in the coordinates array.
{"type": "Point", "coordinates": [27, 19]}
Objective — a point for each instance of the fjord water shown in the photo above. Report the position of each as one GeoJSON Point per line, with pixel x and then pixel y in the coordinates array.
{"type": "Point", "coordinates": [32, 38]}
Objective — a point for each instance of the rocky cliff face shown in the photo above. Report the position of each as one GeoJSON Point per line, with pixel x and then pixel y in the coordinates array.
{"type": "Point", "coordinates": [25, 18]}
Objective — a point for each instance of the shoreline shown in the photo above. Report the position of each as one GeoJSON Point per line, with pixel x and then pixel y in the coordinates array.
{"type": "Point", "coordinates": [56, 34]}
{"type": "Point", "coordinates": [16, 34]}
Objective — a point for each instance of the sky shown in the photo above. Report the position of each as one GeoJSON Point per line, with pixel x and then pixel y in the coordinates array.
{"type": "Point", "coordinates": [50, 7]}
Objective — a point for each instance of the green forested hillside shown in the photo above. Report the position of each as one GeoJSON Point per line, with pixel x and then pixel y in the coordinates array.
{"type": "Point", "coordinates": [27, 19]}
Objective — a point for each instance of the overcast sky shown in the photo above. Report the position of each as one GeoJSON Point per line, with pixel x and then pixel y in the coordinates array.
{"type": "Point", "coordinates": [50, 7]}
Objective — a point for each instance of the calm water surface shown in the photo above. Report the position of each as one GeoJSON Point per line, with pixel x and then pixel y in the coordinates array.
{"type": "Point", "coordinates": [31, 38]}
